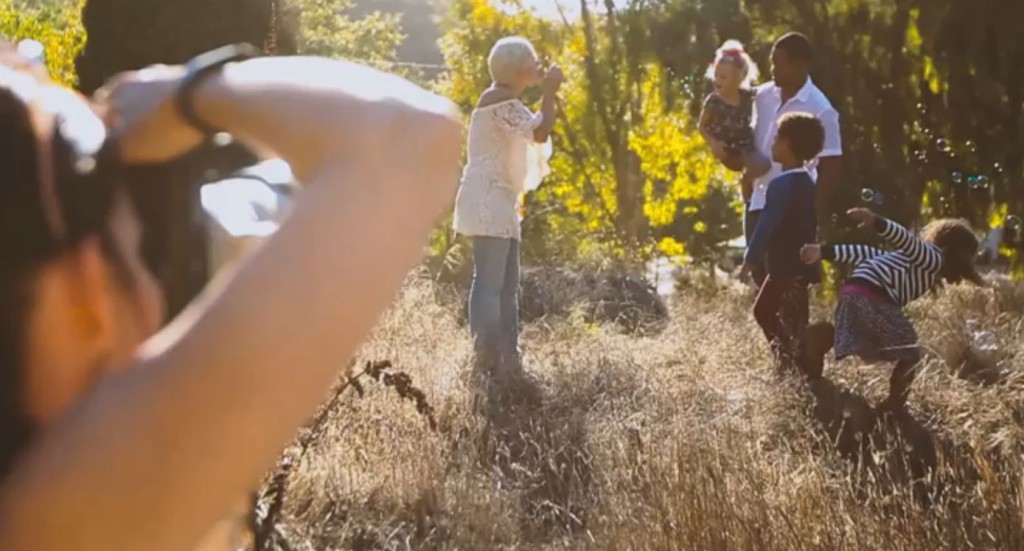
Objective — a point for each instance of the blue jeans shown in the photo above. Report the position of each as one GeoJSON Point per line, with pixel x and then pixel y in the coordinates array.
{"type": "Point", "coordinates": [494, 294]}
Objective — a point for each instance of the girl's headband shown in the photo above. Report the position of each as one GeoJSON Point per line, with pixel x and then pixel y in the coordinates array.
{"type": "Point", "coordinates": [732, 53]}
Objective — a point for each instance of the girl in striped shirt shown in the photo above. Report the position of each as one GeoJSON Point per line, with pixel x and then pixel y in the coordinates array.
{"type": "Point", "coordinates": [869, 320]}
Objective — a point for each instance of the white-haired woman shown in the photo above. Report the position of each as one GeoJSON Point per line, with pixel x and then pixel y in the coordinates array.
{"type": "Point", "coordinates": [502, 132]}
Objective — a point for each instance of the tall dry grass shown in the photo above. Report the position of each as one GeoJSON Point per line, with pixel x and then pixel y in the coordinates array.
{"type": "Point", "coordinates": [681, 440]}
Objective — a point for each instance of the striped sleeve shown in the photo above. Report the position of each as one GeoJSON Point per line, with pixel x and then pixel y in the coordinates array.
{"type": "Point", "coordinates": [928, 257]}
{"type": "Point", "coordinates": [850, 254]}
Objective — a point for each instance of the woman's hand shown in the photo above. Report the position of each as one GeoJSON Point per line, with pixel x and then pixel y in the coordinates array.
{"type": "Point", "coordinates": [553, 79]}
{"type": "Point", "coordinates": [142, 116]}
{"type": "Point", "coordinates": [810, 254]}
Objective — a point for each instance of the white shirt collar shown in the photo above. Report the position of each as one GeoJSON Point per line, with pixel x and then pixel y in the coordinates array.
{"type": "Point", "coordinates": [801, 95]}
{"type": "Point", "coordinates": [794, 171]}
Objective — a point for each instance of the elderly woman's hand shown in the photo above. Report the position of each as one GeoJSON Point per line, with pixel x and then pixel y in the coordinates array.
{"type": "Point", "coordinates": [553, 79]}
{"type": "Point", "coordinates": [139, 107]}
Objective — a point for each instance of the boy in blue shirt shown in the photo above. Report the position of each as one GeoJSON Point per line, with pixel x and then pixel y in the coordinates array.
{"type": "Point", "coordinates": [787, 222]}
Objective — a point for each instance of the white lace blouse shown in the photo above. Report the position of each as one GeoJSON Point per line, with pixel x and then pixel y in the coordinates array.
{"type": "Point", "coordinates": [504, 162]}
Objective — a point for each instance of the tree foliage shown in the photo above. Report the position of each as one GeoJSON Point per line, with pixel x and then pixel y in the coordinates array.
{"type": "Point", "coordinates": [419, 25]}
{"type": "Point", "coordinates": [57, 25]}
{"type": "Point", "coordinates": [930, 95]}
{"type": "Point", "coordinates": [934, 103]}
{"type": "Point", "coordinates": [328, 28]}
{"type": "Point", "coordinates": [929, 92]}
{"type": "Point", "coordinates": [627, 162]}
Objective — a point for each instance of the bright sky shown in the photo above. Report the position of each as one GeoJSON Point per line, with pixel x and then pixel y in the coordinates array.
{"type": "Point", "coordinates": [549, 8]}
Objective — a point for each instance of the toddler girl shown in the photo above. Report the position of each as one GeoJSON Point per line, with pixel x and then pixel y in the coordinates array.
{"type": "Point", "coordinates": [725, 121]}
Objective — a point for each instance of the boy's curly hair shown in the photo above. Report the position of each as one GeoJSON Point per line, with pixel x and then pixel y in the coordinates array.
{"type": "Point", "coordinates": [804, 133]}
{"type": "Point", "coordinates": [959, 244]}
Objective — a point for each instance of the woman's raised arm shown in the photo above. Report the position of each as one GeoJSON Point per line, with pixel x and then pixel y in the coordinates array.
{"type": "Point", "coordinates": [152, 457]}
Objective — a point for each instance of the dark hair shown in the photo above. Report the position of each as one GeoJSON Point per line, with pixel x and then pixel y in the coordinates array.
{"type": "Point", "coordinates": [796, 46]}
{"type": "Point", "coordinates": [959, 246]}
{"type": "Point", "coordinates": [804, 134]}
{"type": "Point", "coordinates": [79, 198]}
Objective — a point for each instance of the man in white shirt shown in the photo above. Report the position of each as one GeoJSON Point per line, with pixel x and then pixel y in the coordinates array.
{"type": "Point", "coordinates": [792, 91]}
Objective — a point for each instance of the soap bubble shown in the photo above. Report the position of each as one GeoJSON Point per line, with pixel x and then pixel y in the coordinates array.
{"type": "Point", "coordinates": [942, 145]}
{"type": "Point", "coordinates": [978, 182]}
{"type": "Point", "coordinates": [957, 177]}
{"type": "Point", "coordinates": [871, 196]}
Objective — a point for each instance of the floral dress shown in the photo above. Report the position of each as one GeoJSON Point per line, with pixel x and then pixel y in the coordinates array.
{"type": "Point", "coordinates": [731, 123]}
{"type": "Point", "coordinates": [504, 162]}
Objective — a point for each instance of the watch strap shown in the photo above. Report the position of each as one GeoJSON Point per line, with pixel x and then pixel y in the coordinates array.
{"type": "Point", "coordinates": [197, 70]}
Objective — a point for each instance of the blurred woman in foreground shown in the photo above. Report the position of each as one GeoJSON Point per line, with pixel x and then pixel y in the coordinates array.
{"type": "Point", "coordinates": [111, 439]}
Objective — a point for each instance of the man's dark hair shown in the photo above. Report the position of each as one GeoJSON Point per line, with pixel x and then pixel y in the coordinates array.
{"type": "Point", "coordinates": [804, 134]}
{"type": "Point", "coordinates": [796, 46]}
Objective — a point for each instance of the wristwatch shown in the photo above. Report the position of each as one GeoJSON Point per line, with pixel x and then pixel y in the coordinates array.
{"type": "Point", "coordinates": [197, 70]}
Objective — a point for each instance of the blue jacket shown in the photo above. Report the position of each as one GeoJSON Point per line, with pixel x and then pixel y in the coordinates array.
{"type": "Point", "coordinates": [788, 222]}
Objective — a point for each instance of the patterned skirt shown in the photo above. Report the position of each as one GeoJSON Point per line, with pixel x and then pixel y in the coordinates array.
{"type": "Point", "coordinates": [875, 330]}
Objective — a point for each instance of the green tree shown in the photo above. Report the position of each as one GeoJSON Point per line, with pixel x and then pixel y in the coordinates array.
{"type": "Point", "coordinates": [931, 99]}
{"type": "Point", "coordinates": [627, 162]}
{"type": "Point", "coordinates": [419, 25]}
{"type": "Point", "coordinates": [327, 28]}
{"type": "Point", "coordinates": [57, 25]}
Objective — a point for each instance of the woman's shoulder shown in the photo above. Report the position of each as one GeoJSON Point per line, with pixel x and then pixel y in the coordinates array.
{"type": "Point", "coordinates": [496, 96]}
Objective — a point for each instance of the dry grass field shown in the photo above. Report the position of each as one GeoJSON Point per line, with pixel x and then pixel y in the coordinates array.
{"type": "Point", "coordinates": [681, 438]}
